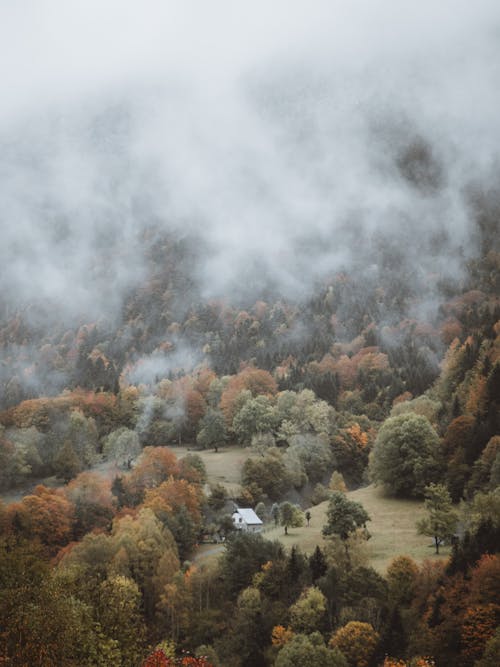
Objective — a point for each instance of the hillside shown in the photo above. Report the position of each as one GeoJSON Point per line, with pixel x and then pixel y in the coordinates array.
{"type": "Point", "coordinates": [249, 256]}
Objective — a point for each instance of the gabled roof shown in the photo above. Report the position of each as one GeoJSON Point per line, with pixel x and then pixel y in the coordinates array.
{"type": "Point", "coordinates": [248, 516]}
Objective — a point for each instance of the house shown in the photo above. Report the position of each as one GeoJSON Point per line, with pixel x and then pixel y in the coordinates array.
{"type": "Point", "coordinates": [245, 519]}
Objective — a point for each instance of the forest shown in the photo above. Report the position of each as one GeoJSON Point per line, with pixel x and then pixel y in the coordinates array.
{"type": "Point", "coordinates": [249, 259]}
{"type": "Point", "coordinates": [98, 567]}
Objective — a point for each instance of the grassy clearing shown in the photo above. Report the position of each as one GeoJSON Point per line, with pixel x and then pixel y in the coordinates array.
{"type": "Point", "coordinates": [392, 526]}
{"type": "Point", "coordinates": [392, 529]}
{"type": "Point", "coordinates": [223, 467]}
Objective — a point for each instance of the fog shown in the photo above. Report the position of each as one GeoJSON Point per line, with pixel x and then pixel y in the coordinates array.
{"type": "Point", "coordinates": [293, 139]}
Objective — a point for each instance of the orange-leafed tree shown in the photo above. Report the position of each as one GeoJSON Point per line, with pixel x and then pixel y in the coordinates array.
{"type": "Point", "coordinates": [155, 465]}
{"type": "Point", "coordinates": [281, 635]}
{"type": "Point", "coordinates": [94, 503]}
{"type": "Point", "coordinates": [254, 380]}
{"type": "Point", "coordinates": [478, 627]}
{"type": "Point", "coordinates": [173, 494]}
{"type": "Point", "coordinates": [46, 515]}
{"type": "Point", "coordinates": [159, 659]}
{"type": "Point", "coordinates": [485, 580]}
{"type": "Point", "coordinates": [357, 641]}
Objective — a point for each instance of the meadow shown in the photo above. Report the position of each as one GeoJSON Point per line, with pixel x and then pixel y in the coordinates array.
{"type": "Point", "coordinates": [392, 526]}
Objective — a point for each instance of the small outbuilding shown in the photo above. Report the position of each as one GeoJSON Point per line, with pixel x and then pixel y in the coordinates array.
{"type": "Point", "coordinates": [244, 518]}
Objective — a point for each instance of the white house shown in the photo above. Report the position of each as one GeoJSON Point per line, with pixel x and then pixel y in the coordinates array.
{"type": "Point", "coordinates": [246, 519]}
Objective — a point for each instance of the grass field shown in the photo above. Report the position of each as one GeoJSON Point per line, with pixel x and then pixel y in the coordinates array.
{"type": "Point", "coordinates": [392, 526]}
{"type": "Point", "coordinates": [223, 467]}
{"type": "Point", "coordinates": [392, 529]}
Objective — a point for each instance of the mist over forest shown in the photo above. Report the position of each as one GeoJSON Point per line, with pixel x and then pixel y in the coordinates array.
{"type": "Point", "coordinates": [269, 226]}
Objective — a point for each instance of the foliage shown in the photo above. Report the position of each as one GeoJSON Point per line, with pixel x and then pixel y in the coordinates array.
{"type": "Point", "coordinates": [212, 432]}
{"type": "Point", "coordinates": [308, 613]}
{"type": "Point", "coordinates": [290, 516]}
{"type": "Point", "coordinates": [402, 580]}
{"type": "Point", "coordinates": [357, 641]}
{"type": "Point", "coordinates": [309, 650]}
{"type": "Point", "coordinates": [405, 455]}
{"type": "Point", "coordinates": [344, 516]}
{"type": "Point", "coordinates": [442, 520]}
{"type": "Point", "coordinates": [268, 473]}
{"type": "Point", "coordinates": [159, 659]}
{"type": "Point", "coordinates": [122, 446]}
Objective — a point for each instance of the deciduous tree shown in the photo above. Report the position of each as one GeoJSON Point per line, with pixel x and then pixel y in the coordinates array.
{"type": "Point", "coordinates": [357, 641]}
{"type": "Point", "coordinates": [405, 455]}
{"type": "Point", "coordinates": [441, 520]}
{"type": "Point", "coordinates": [291, 516]}
{"type": "Point", "coordinates": [344, 517]}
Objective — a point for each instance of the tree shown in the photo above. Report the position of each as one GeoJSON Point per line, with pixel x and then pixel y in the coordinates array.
{"type": "Point", "coordinates": [256, 416]}
{"type": "Point", "coordinates": [314, 453]}
{"type": "Point", "coordinates": [405, 455]}
{"type": "Point", "coordinates": [275, 513]}
{"type": "Point", "coordinates": [218, 496]}
{"type": "Point", "coordinates": [244, 555]}
{"type": "Point", "coordinates": [491, 652]}
{"type": "Point", "coordinates": [142, 542]}
{"type": "Point", "coordinates": [67, 464]}
{"type": "Point", "coordinates": [308, 613]}
{"type": "Point", "coordinates": [268, 473]}
{"type": "Point", "coordinates": [120, 616]}
{"type": "Point", "coordinates": [478, 627]}
{"type": "Point", "coordinates": [281, 635]}
{"type": "Point", "coordinates": [46, 515]}
{"type": "Point", "coordinates": [344, 517]}
{"type": "Point", "coordinates": [94, 503]}
{"type": "Point", "coordinates": [291, 516]}
{"type": "Point", "coordinates": [154, 466]}
{"type": "Point", "coordinates": [337, 482]}
{"type": "Point", "coordinates": [442, 520]}
{"type": "Point", "coordinates": [402, 574]}
{"type": "Point", "coordinates": [357, 641]}
{"type": "Point", "coordinates": [122, 446]}
{"type": "Point", "coordinates": [309, 650]}
{"type": "Point", "coordinates": [317, 564]}
{"type": "Point", "coordinates": [249, 628]}
{"type": "Point", "coordinates": [43, 623]}
{"type": "Point", "coordinates": [212, 431]}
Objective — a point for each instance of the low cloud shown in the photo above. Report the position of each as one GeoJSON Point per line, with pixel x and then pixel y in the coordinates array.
{"type": "Point", "coordinates": [292, 139]}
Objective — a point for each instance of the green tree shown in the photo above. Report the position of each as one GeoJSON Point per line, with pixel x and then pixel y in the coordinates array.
{"type": "Point", "coordinates": [317, 564]}
{"type": "Point", "coordinates": [268, 473]}
{"type": "Point", "coordinates": [442, 520]}
{"type": "Point", "coordinates": [314, 453]}
{"type": "Point", "coordinates": [308, 613]}
{"type": "Point", "coordinates": [249, 628]}
{"type": "Point", "coordinates": [402, 573]}
{"type": "Point", "coordinates": [311, 651]}
{"type": "Point", "coordinates": [119, 615]}
{"type": "Point", "coordinates": [290, 516]}
{"type": "Point", "coordinates": [67, 464]}
{"type": "Point", "coordinates": [218, 496]}
{"type": "Point", "coordinates": [122, 446]}
{"type": "Point", "coordinates": [212, 431]}
{"type": "Point", "coordinates": [337, 482]}
{"type": "Point", "coordinates": [405, 455]}
{"type": "Point", "coordinates": [244, 555]}
{"type": "Point", "coordinates": [491, 652]}
{"type": "Point", "coordinates": [256, 416]}
{"type": "Point", "coordinates": [344, 517]}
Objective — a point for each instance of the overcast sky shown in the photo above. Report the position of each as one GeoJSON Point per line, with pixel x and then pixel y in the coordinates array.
{"type": "Point", "coordinates": [270, 129]}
